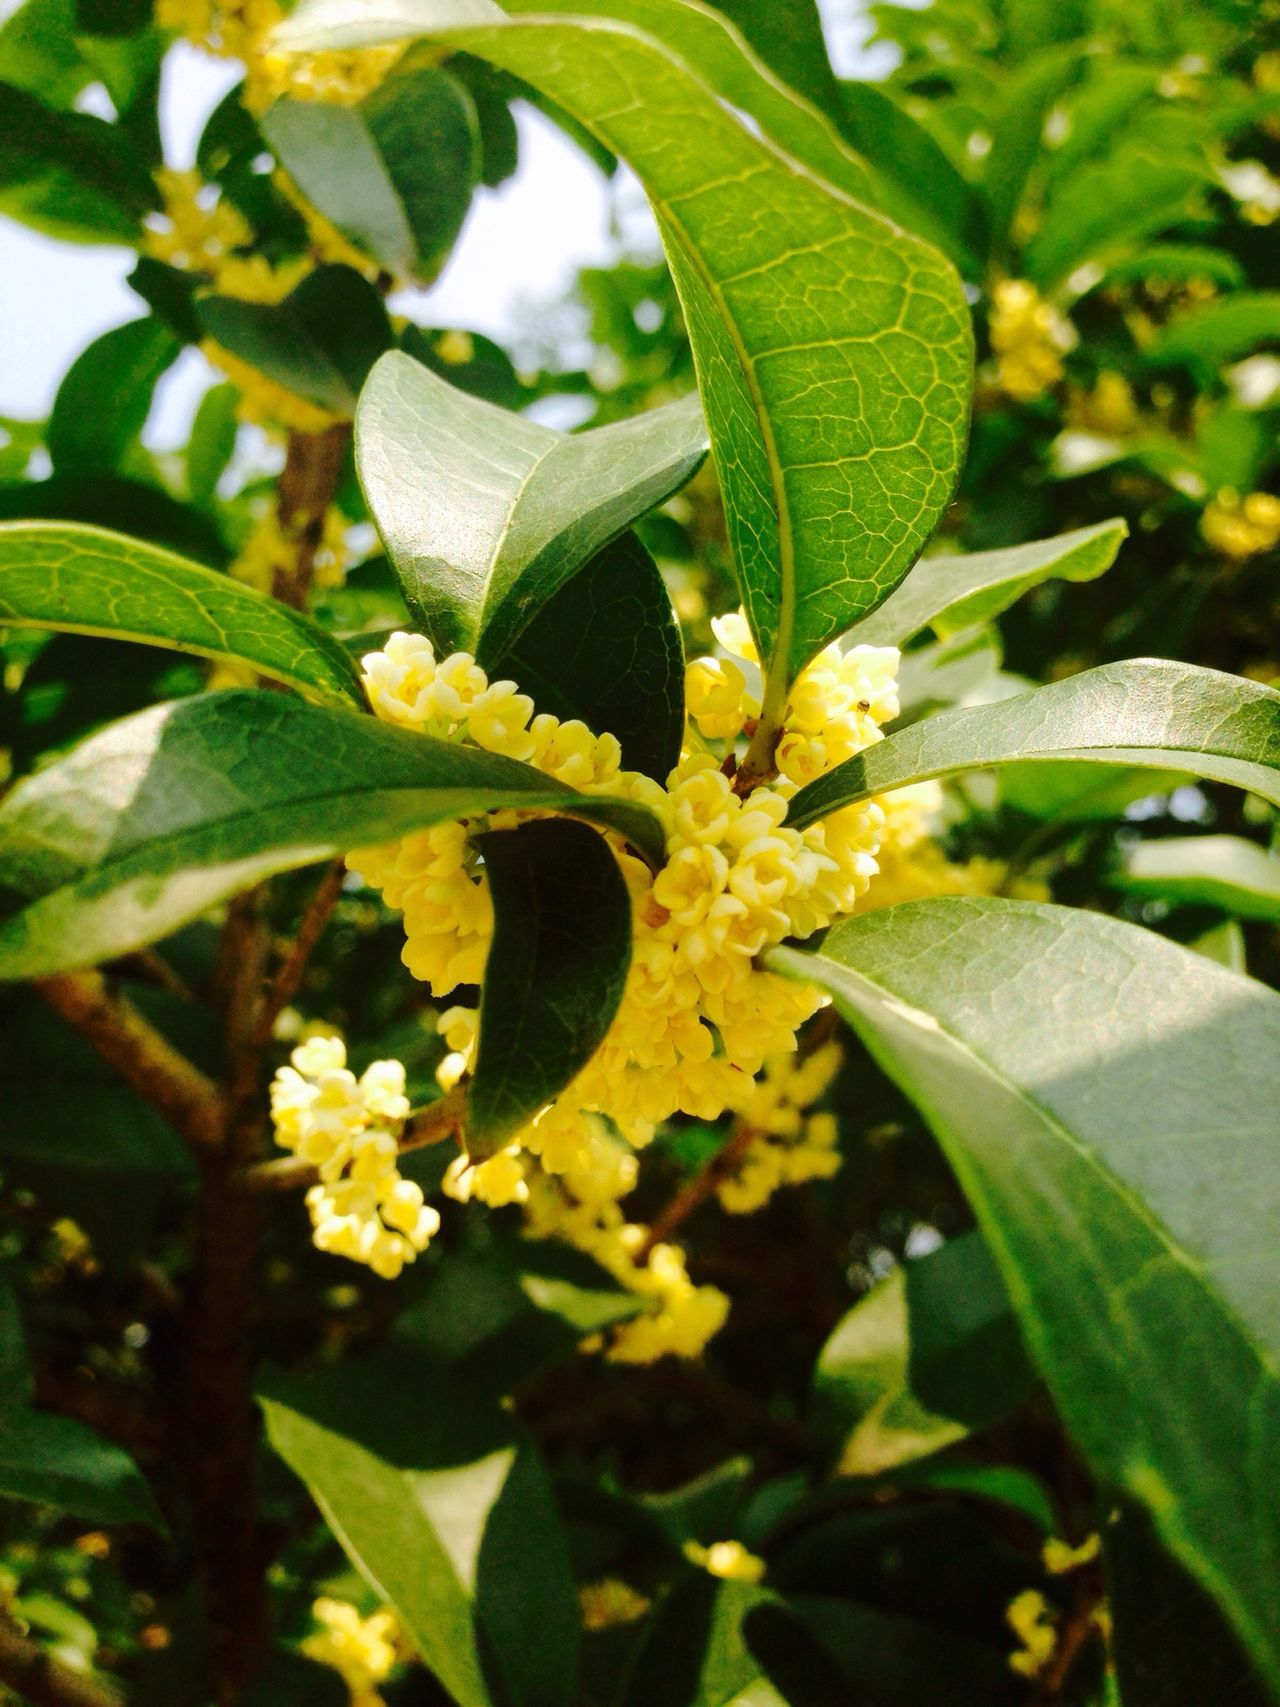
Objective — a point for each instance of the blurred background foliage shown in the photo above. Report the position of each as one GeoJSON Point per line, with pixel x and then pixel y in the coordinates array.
{"type": "Point", "coordinates": [1106, 177]}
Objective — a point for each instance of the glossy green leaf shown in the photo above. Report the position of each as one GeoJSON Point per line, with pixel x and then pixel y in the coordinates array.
{"type": "Point", "coordinates": [395, 172]}
{"type": "Point", "coordinates": [750, 74]}
{"type": "Point", "coordinates": [485, 514]}
{"type": "Point", "coordinates": [162, 815]}
{"type": "Point", "coordinates": [1107, 1101]}
{"type": "Point", "coordinates": [833, 351]}
{"type": "Point", "coordinates": [69, 175]}
{"type": "Point", "coordinates": [448, 1515]}
{"type": "Point", "coordinates": [320, 342]}
{"type": "Point", "coordinates": [951, 593]}
{"type": "Point", "coordinates": [1227, 872]}
{"type": "Point", "coordinates": [1219, 332]}
{"type": "Point", "coordinates": [1081, 793]}
{"type": "Point", "coordinates": [789, 40]}
{"type": "Point", "coordinates": [84, 580]}
{"type": "Point", "coordinates": [555, 974]}
{"type": "Point", "coordinates": [1148, 712]}
{"type": "Point", "coordinates": [930, 1354]}
{"type": "Point", "coordinates": [607, 649]}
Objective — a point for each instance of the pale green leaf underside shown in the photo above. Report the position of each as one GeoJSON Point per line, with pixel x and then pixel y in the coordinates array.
{"type": "Point", "coordinates": [484, 514]}
{"type": "Point", "coordinates": [1215, 871]}
{"type": "Point", "coordinates": [84, 580]}
{"type": "Point", "coordinates": [951, 593]}
{"type": "Point", "coordinates": [1148, 712]}
{"type": "Point", "coordinates": [166, 813]}
{"type": "Point", "coordinates": [1108, 1101]}
{"type": "Point", "coordinates": [833, 351]}
{"type": "Point", "coordinates": [395, 1525]}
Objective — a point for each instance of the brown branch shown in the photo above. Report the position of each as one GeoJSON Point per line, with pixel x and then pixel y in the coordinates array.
{"type": "Point", "coordinates": [43, 1681]}
{"type": "Point", "coordinates": [308, 481]}
{"type": "Point", "coordinates": [709, 1177]}
{"type": "Point", "coordinates": [143, 1056]}
{"type": "Point", "coordinates": [443, 1119]}
{"type": "Point", "coordinates": [284, 986]}
{"type": "Point", "coordinates": [1078, 1624]}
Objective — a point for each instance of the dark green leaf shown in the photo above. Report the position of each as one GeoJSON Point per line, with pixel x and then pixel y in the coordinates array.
{"type": "Point", "coordinates": [68, 174]}
{"type": "Point", "coordinates": [917, 181]}
{"type": "Point", "coordinates": [320, 342]}
{"type": "Point", "coordinates": [929, 1355]}
{"type": "Point", "coordinates": [833, 351]}
{"type": "Point", "coordinates": [607, 649]}
{"type": "Point", "coordinates": [1227, 872]}
{"type": "Point", "coordinates": [105, 396]}
{"type": "Point", "coordinates": [1170, 1642]}
{"type": "Point", "coordinates": [87, 581]}
{"type": "Point", "coordinates": [393, 173]}
{"type": "Point", "coordinates": [951, 593]}
{"type": "Point", "coordinates": [555, 974]}
{"type": "Point", "coordinates": [59, 1462]}
{"type": "Point", "coordinates": [161, 816]}
{"type": "Point", "coordinates": [485, 514]}
{"type": "Point", "coordinates": [1107, 1100]}
{"type": "Point", "coordinates": [693, 1653]}
{"type": "Point", "coordinates": [1148, 712]}
{"type": "Point", "coordinates": [1017, 130]}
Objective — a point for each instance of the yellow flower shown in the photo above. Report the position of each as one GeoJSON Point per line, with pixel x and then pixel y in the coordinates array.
{"type": "Point", "coordinates": [727, 1559]}
{"type": "Point", "coordinates": [1029, 337]}
{"type": "Point", "coordinates": [1242, 527]}
{"type": "Point", "coordinates": [1031, 1619]}
{"type": "Point", "coordinates": [361, 1650]}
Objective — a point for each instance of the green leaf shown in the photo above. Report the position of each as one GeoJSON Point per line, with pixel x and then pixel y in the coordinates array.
{"type": "Point", "coordinates": [930, 1354]}
{"type": "Point", "coordinates": [1124, 197]}
{"type": "Point", "coordinates": [692, 1652]}
{"type": "Point", "coordinates": [105, 396]}
{"type": "Point", "coordinates": [485, 514]}
{"type": "Point", "coordinates": [1079, 793]}
{"type": "Point", "coordinates": [212, 443]}
{"type": "Point", "coordinates": [59, 1462]}
{"type": "Point", "coordinates": [394, 173]}
{"type": "Point", "coordinates": [1219, 332]}
{"type": "Point", "coordinates": [1148, 712]}
{"type": "Point", "coordinates": [791, 42]}
{"type": "Point", "coordinates": [39, 53]}
{"type": "Point", "coordinates": [320, 342]}
{"type": "Point", "coordinates": [447, 1514]}
{"type": "Point", "coordinates": [162, 815]}
{"type": "Point", "coordinates": [555, 973]}
{"type": "Point", "coordinates": [1169, 1641]}
{"type": "Point", "coordinates": [607, 649]}
{"type": "Point", "coordinates": [69, 175]}
{"type": "Point", "coordinates": [951, 593]}
{"type": "Point", "coordinates": [1226, 872]}
{"type": "Point", "coordinates": [1107, 1101]}
{"type": "Point", "coordinates": [84, 580]}
{"type": "Point", "coordinates": [1017, 130]}
{"type": "Point", "coordinates": [917, 182]}
{"type": "Point", "coordinates": [833, 351]}
{"type": "Point", "coordinates": [740, 73]}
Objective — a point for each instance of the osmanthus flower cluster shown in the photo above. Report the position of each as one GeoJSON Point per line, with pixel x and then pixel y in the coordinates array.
{"type": "Point", "coordinates": [1029, 338]}
{"type": "Point", "coordinates": [701, 1030]}
{"type": "Point", "coordinates": [363, 1651]}
{"type": "Point", "coordinates": [347, 1129]}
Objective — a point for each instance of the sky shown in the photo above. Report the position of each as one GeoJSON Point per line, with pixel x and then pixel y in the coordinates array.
{"type": "Point", "coordinates": [520, 248]}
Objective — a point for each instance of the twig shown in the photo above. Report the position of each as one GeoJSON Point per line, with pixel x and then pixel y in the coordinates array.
{"type": "Point", "coordinates": [288, 977]}
{"type": "Point", "coordinates": [1078, 1625]}
{"type": "Point", "coordinates": [703, 1185]}
{"type": "Point", "coordinates": [143, 1056]}
{"type": "Point", "coordinates": [308, 481]}
{"type": "Point", "coordinates": [443, 1119]}
{"type": "Point", "coordinates": [43, 1681]}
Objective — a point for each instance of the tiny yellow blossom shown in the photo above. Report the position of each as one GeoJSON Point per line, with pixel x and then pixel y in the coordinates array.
{"type": "Point", "coordinates": [362, 1650]}
{"type": "Point", "coordinates": [1060, 1557]}
{"type": "Point", "coordinates": [1242, 527]}
{"type": "Point", "coordinates": [610, 1602]}
{"type": "Point", "coordinates": [1031, 1619]}
{"type": "Point", "coordinates": [727, 1559]}
{"type": "Point", "coordinates": [1029, 337]}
